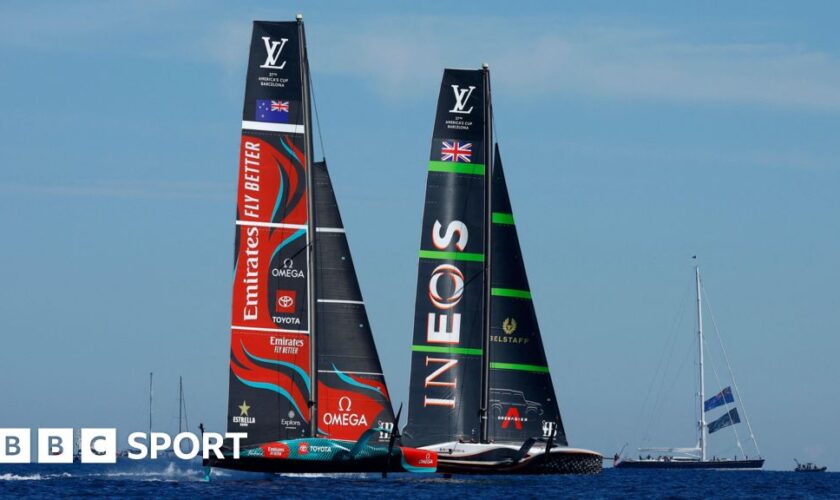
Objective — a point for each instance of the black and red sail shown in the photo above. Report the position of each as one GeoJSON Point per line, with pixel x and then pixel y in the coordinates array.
{"type": "Point", "coordinates": [301, 346]}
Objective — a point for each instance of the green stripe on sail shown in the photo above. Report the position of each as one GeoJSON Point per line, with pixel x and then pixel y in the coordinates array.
{"type": "Point", "coordinates": [519, 367]}
{"type": "Point", "coordinates": [456, 168]}
{"type": "Point", "coordinates": [434, 254]}
{"type": "Point", "coordinates": [510, 292]}
{"type": "Point", "coordinates": [447, 350]}
{"type": "Point", "coordinates": [500, 218]}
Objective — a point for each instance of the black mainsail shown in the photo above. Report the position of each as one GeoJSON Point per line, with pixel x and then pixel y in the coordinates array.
{"type": "Point", "coordinates": [447, 360]}
{"type": "Point", "coordinates": [306, 384]}
{"type": "Point", "coordinates": [481, 393]}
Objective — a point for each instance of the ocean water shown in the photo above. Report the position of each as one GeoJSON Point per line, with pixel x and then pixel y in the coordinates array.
{"type": "Point", "coordinates": [183, 479]}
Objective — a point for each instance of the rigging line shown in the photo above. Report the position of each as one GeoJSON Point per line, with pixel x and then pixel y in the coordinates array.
{"type": "Point", "coordinates": [726, 404]}
{"type": "Point", "coordinates": [676, 377]}
{"type": "Point", "coordinates": [315, 106]}
{"type": "Point", "coordinates": [184, 405]}
{"type": "Point", "coordinates": [667, 358]}
{"type": "Point", "coordinates": [696, 404]}
{"type": "Point", "coordinates": [493, 125]}
{"type": "Point", "coordinates": [305, 247]}
{"type": "Point", "coordinates": [681, 366]}
{"type": "Point", "coordinates": [729, 367]}
{"type": "Point", "coordinates": [667, 354]}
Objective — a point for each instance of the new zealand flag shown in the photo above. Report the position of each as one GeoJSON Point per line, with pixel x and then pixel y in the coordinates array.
{"type": "Point", "coordinates": [719, 399]}
{"type": "Point", "coordinates": [272, 111]}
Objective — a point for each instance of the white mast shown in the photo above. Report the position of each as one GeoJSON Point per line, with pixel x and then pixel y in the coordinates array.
{"type": "Point", "coordinates": [702, 394]}
{"type": "Point", "coordinates": [151, 375]}
{"type": "Point", "coordinates": [180, 401]}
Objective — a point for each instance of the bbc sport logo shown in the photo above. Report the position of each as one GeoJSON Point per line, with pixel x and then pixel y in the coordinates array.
{"type": "Point", "coordinates": [99, 446]}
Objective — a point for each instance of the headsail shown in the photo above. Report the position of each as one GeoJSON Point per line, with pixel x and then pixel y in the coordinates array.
{"type": "Point", "coordinates": [522, 400]}
{"type": "Point", "coordinates": [446, 361]}
{"type": "Point", "coordinates": [270, 367]}
{"type": "Point", "coordinates": [352, 396]}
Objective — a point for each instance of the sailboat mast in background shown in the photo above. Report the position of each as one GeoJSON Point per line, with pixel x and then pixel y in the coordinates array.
{"type": "Point", "coordinates": [697, 457]}
{"type": "Point", "coordinates": [151, 376]}
{"type": "Point", "coordinates": [700, 344]}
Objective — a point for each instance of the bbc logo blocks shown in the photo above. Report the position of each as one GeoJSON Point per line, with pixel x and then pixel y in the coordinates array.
{"type": "Point", "coordinates": [55, 446]}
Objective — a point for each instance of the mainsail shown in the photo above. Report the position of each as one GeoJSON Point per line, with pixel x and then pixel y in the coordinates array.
{"type": "Point", "coordinates": [448, 345]}
{"type": "Point", "coordinates": [303, 362]}
{"type": "Point", "coordinates": [479, 371]}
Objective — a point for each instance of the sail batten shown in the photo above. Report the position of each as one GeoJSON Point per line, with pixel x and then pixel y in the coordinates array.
{"type": "Point", "coordinates": [463, 256]}
{"type": "Point", "coordinates": [502, 218]}
{"type": "Point", "coordinates": [511, 292]}
{"type": "Point", "coordinates": [456, 168]}
{"type": "Point", "coordinates": [518, 366]}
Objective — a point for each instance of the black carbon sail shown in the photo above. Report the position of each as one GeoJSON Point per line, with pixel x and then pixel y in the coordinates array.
{"type": "Point", "coordinates": [446, 367]}
{"type": "Point", "coordinates": [481, 394]}
{"type": "Point", "coordinates": [522, 400]}
{"type": "Point", "coordinates": [477, 349]}
{"type": "Point", "coordinates": [352, 396]}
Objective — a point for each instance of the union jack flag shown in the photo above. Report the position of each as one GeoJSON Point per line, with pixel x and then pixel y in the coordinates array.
{"type": "Point", "coordinates": [456, 151]}
{"type": "Point", "coordinates": [280, 106]}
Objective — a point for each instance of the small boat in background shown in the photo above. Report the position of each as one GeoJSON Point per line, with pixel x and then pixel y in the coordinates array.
{"type": "Point", "coordinates": [808, 467]}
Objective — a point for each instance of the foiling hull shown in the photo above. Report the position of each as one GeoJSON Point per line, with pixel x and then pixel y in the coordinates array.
{"type": "Point", "coordinates": [319, 455]}
{"type": "Point", "coordinates": [473, 458]}
{"type": "Point", "coordinates": [746, 464]}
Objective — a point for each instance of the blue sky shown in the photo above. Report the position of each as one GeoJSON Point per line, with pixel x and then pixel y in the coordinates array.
{"type": "Point", "coordinates": [633, 138]}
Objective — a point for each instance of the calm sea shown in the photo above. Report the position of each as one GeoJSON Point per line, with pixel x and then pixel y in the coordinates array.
{"type": "Point", "coordinates": [180, 479]}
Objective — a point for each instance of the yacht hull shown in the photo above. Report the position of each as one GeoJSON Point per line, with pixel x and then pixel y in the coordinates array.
{"type": "Point", "coordinates": [319, 455]}
{"type": "Point", "coordinates": [505, 459]}
{"type": "Point", "coordinates": [691, 464]}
